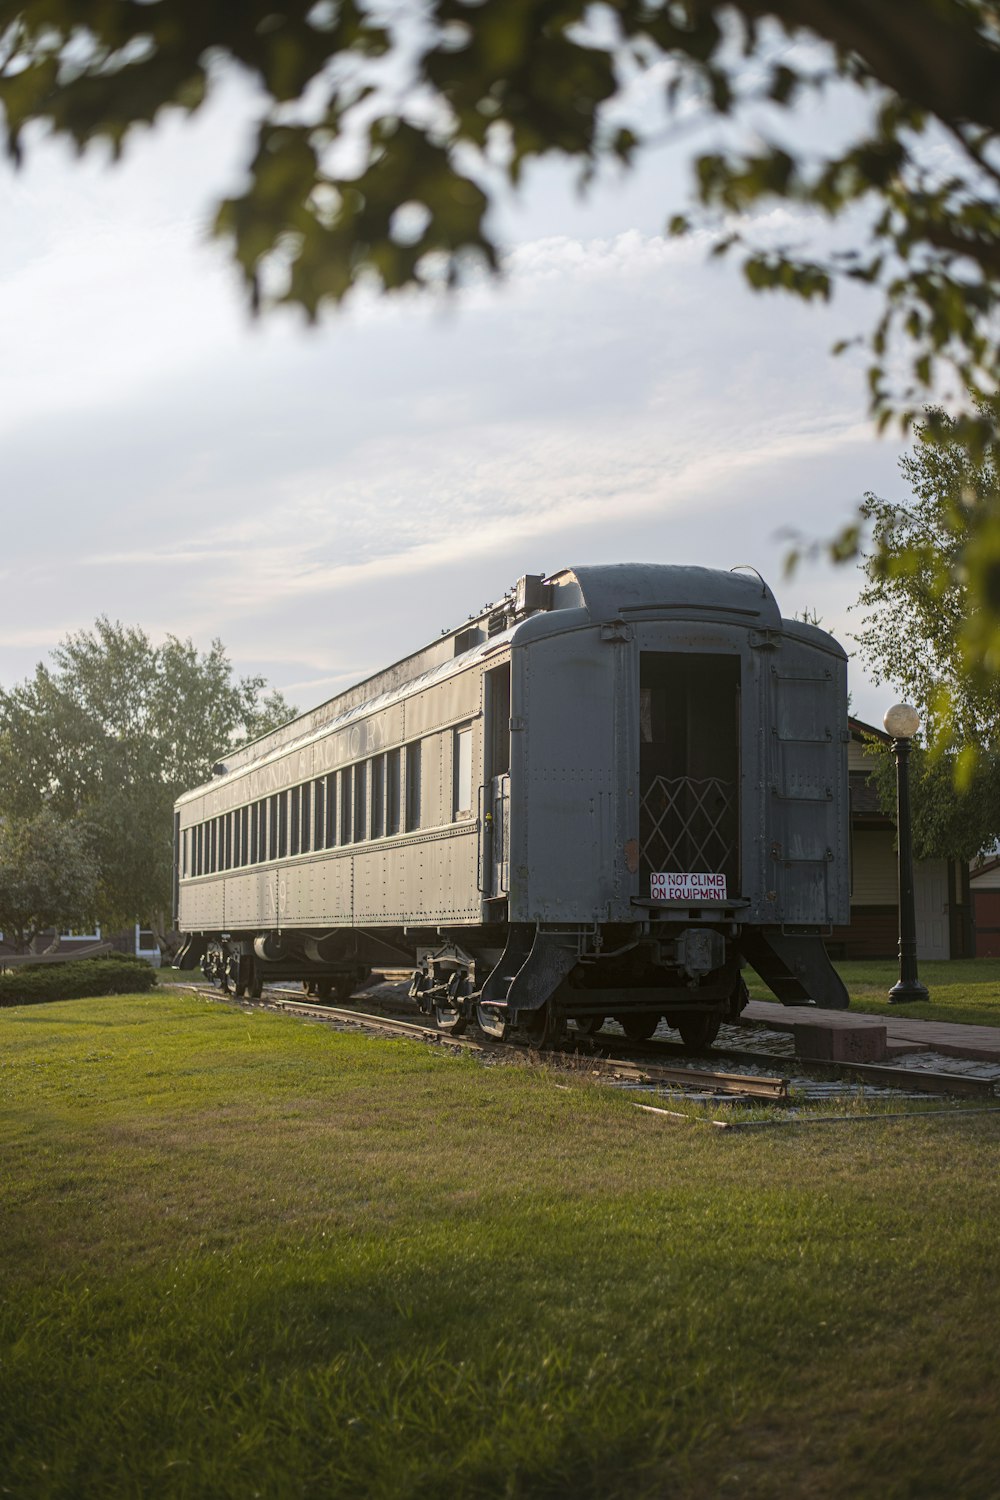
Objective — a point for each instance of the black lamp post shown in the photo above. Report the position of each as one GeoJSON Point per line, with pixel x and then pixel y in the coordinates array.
{"type": "Point", "coordinates": [902, 722]}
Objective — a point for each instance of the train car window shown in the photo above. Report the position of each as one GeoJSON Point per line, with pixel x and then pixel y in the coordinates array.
{"type": "Point", "coordinates": [228, 821]}
{"type": "Point", "coordinates": [282, 825]}
{"type": "Point", "coordinates": [360, 802]}
{"type": "Point", "coordinates": [196, 863]}
{"type": "Point", "coordinates": [306, 843]}
{"type": "Point", "coordinates": [262, 830]}
{"type": "Point", "coordinates": [462, 773]}
{"type": "Point", "coordinates": [245, 835]}
{"type": "Point", "coordinates": [331, 810]}
{"type": "Point", "coordinates": [413, 786]}
{"type": "Point", "coordinates": [213, 847]}
{"type": "Point", "coordinates": [392, 792]}
{"type": "Point", "coordinates": [345, 807]}
{"type": "Point", "coordinates": [272, 828]}
{"type": "Point", "coordinates": [378, 797]}
{"type": "Point", "coordinates": [295, 829]}
{"type": "Point", "coordinates": [498, 708]}
{"type": "Point", "coordinates": [254, 835]}
{"type": "Point", "coordinates": [319, 813]}
{"type": "Point", "coordinates": [237, 838]}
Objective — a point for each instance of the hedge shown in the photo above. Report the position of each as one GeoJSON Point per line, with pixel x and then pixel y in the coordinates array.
{"type": "Point", "coordinates": [110, 974]}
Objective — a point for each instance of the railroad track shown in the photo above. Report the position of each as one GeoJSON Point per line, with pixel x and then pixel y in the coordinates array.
{"type": "Point", "coordinates": [642, 1063]}
{"type": "Point", "coordinates": [748, 1086]}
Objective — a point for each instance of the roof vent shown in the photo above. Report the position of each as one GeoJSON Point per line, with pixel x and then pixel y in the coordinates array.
{"type": "Point", "coordinates": [466, 639]}
{"type": "Point", "coordinates": [530, 594]}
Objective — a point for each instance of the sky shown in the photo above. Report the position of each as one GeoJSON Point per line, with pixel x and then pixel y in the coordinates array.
{"type": "Point", "coordinates": [325, 500]}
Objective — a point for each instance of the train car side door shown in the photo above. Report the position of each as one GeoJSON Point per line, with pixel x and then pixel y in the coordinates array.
{"type": "Point", "coordinates": [496, 792]}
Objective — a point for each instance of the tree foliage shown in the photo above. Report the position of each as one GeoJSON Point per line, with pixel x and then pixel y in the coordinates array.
{"type": "Point", "coordinates": [109, 734]}
{"type": "Point", "coordinates": [922, 635]}
{"type": "Point", "coordinates": [48, 876]}
{"type": "Point", "coordinates": [382, 132]}
{"type": "Point", "coordinates": [921, 630]}
{"type": "Point", "coordinates": [947, 822]}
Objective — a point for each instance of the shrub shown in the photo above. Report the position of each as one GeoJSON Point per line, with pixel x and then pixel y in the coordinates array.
{"type": "Point", "coordinates": [110, 974]}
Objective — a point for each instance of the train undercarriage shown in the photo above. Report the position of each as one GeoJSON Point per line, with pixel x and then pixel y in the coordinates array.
{"type": "Point", "coordinates": [532, 982]}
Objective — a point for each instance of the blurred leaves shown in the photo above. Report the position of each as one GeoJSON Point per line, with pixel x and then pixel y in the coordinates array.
{"type": "Point", "coordinates": [383, 131]}
{"type": "Point", "coordinates": [365, 107]}
{"type": "Point", "coordinates": [108, 736]}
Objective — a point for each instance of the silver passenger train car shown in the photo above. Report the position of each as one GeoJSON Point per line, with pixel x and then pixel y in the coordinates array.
{"type": "Point", "coordinates": [603, 796]}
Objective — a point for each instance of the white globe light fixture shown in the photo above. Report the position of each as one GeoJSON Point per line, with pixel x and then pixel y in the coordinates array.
{"type": "Point", "coordinates": [901, 721]}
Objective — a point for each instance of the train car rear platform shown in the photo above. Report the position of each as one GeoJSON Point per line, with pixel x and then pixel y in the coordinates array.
{"type": "Point", "coordinates": [903, 1033]}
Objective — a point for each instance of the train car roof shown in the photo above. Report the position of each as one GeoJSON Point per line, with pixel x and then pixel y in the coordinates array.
{"type": "Point", "coordinates": [610, 590]}
{"type": "Point", "coordinates": [597, 592]}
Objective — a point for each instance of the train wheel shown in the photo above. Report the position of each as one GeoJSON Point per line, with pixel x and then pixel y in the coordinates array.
{"type": "Point", "coordinates": [698, 1032]}
{"type": "Point", "coordinates": [450, 1020]}
{"type": "Point", "coordinates": [639, 1028]}
{"type": "Point", "coordinates": [493, 1021]}
{"type": "Point", "coordinates": [545, 1027]}
{"type": "Point", "coordinates": [588, 1025]}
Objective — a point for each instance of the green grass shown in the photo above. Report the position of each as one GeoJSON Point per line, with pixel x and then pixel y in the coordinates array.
{"type": "Point", "coordinates": [965, 990]}
{"type": "Point", "coordinates": [245, 1255]}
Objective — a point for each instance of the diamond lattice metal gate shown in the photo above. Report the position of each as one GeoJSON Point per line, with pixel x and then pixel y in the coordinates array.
{"type": "Point", "coordinates": [686, 824]}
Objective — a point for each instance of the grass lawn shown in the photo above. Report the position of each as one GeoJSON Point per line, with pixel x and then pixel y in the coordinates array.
{"type": "Point", "coordinates": [961, 989]}
{"type": "Point", "coordinates": [244, 1255]}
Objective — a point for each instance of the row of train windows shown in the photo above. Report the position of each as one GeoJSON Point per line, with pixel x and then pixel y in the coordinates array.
{"type": "Point", "coordinates": [346, 807]}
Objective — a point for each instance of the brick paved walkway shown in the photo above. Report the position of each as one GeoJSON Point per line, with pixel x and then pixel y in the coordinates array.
{"type": "Point", "coordinates": [902, 1034]}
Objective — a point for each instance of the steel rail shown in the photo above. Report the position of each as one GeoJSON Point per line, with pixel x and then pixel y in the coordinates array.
{"type": "Point", "coordinates": [643, 1068]}
{"type": "Point", "coordinates": [722, 1083]}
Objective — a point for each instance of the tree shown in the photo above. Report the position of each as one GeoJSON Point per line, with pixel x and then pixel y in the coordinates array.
{"type": "Point", "coordinates": [109, 735]}
{"type": "Point", "coordinates": [947, 821]}
{"type": "Point", "coordinates": [921, 635]}
{"type": "Point", "coordinates": [921, 631]}
{"type": "Point", "coordinates": [48, 877]}
{"type": "Point", "coordinates": [381, 133]}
